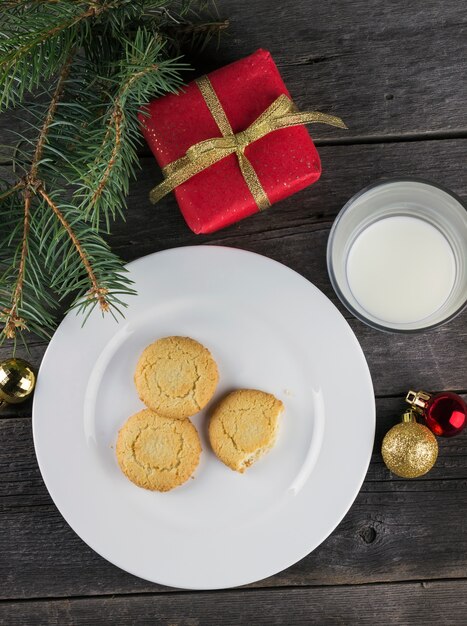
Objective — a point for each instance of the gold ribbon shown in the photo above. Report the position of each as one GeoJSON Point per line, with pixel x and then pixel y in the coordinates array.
{"type": "Point", "coordinates": [282, 113]}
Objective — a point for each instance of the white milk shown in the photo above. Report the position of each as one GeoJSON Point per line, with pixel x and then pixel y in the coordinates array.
{"type": "Point", "coordinates": [401, 269]}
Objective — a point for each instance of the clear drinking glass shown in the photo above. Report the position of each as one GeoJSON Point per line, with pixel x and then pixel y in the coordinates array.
{"type": "Point", "coordinates": [409, 197]}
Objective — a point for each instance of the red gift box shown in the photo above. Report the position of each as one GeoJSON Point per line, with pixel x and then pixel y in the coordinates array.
{"type": "Point", "coordinates": [284, 160]}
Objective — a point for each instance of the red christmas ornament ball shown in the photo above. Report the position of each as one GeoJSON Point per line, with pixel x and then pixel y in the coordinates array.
{"type": "Point", "coordinates": [446, 414]}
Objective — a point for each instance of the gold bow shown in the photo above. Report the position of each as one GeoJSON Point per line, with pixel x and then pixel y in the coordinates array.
{"type": "Point", "coordinates": [280, 114]}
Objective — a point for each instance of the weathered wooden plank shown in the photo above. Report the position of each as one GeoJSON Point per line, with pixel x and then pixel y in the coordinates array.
{"type": "Point", "coordinates": [396, 529]}
{"type": "Point", "coordinates": [433, 603]}
{"type": "Point", "coordinates": [387, 68]}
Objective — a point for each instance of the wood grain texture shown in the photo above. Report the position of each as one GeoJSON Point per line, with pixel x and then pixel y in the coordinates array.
{"type": "Point", "coordinates": [392, 532]}
{"type": "Point", "coordinates": [427, 603]}
{"type": "Point", "coordinates": [388, 68]}
{"type": "Point", "coordinates": [396, 73]}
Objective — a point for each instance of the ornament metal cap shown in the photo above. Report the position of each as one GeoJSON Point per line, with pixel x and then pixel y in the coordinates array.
{"type": "Point", "coordinates": [418, 400]}
{"type": "Point", "coordinates": [409, 416]}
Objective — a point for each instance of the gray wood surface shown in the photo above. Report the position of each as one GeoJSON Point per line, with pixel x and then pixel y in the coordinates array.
{"type": "Point", "coordinates": [389, 68]}
{"type": "Point", "coordinates": [396, 73]}
{"type": "Point", "coordinates": [437, 602]}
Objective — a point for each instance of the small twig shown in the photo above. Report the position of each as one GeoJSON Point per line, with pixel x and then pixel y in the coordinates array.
{"type": "Point", "coordinates": [6, 194]}
{"type": "Point", "coordinates": [49, 116]}
{"type": "Point", "coordinates": [97, 292]}
{"type": "Point", "coordinates": [13, 321]}
{"type": "Point", "coordinates": [205, 27]}
{"type": "Point", "coordinates": [93, 10]}
{"type": "Point", "coordinates": [116, 117]}
{"type": "Point", "coordinates": [115, 122]}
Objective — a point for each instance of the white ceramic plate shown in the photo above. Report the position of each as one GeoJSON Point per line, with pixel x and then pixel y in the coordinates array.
{"type": "Point", "coordinates": [268, 328]}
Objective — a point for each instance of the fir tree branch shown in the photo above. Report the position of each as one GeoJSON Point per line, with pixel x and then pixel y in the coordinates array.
{"type": "Point", "coordinates": [13, 321]}
{"type": "Point", "coordinates": [144, 72]}
{"type": "Point", "coordinates": [49, 118]}
{"type": "Point", "coordinates": [37, 38]}
{"type": "Point", "coordinates": [77, 153]}
{"type": "Point", "coordinates": [115, 123]}
{"type": "Point", "coordinates": [96, 291]}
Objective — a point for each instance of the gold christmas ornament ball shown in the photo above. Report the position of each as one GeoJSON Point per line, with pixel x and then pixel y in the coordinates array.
{"type": "Point", "coordinates": [17, 381]}
{"type": "Point", "coordinates": [409, 449]}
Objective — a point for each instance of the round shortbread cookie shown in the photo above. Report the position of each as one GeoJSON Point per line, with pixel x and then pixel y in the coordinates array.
{"type": "Point", "coordinates": [157, 453]}
{"type": "Point", "coordinates": [243, 427]}
{"type": "Point", "coordinates": [176, 377]}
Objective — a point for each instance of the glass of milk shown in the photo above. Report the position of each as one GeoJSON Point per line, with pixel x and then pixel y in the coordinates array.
{"type": "Point", "coordinates": [397, 255]}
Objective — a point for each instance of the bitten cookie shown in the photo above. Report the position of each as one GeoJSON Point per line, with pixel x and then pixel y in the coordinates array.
{"type": "Point", "coordinates": [157, 453]}
{"type": "Point", "coordinates": [176, 377]}
{"type": "Point", "coordinates": [243, 427]}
